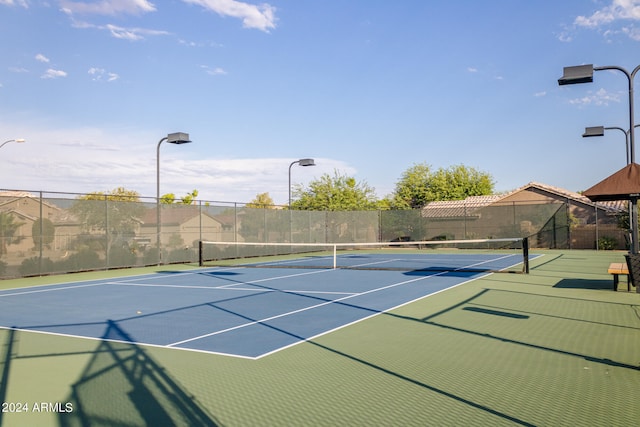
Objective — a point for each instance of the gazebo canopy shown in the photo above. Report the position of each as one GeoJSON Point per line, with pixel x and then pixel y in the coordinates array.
{"type": "Point", "coordinates": [622, 185]}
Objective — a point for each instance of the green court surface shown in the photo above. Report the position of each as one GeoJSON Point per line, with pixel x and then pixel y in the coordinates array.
{"type": "Point", "coordinates": [556, 347]}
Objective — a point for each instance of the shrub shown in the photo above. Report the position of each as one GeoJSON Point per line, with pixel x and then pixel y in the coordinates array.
{"type": "Point", "coordinates": [121, 256]}
{"type": "Point", "coordinates": [150, 256]}
{"type": "Point", "coordinates": [34, 266]}
{"type": "Point", "coordinates": [182, 255]}
{"type": "Point", "coordinates": [83, 260]}
{"type": "Point", "coordinates": [607, 243]}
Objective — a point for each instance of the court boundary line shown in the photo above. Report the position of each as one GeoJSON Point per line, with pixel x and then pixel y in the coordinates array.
{"type": "Point", "coordinates": [209, 269]}
{"type": "Point", "coordinates": [132, 343]}
{"type": "Point", "coordinates": [480, 276]}
{"type": "Point", "coordinates": [168, 347]}
{"type": "Point", "coordinates": [376, 314]}
{"type": "Point", "coordinates": [260, 321]}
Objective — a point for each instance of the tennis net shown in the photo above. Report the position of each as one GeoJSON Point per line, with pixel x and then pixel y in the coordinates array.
{"type": "Point", "coordinates": [483, 255]}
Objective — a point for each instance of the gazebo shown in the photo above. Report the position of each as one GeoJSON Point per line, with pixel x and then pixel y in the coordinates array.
{"type": "Point", "coordinates": [622, 185]}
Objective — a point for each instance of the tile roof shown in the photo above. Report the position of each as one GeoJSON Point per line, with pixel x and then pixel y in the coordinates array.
{"type": "Point", "coordinates": [177, 214]}
{"type": "Point", "coordinates": [458, 208]}
{"type": "Point", "coordinates": [468, 206]}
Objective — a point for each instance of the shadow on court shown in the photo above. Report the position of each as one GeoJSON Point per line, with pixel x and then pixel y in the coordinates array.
{"type": "Point", "coordinates": [584, 284]}
{"type": "Point", "coordinates": [472, 304]}
{"type": "Point", "coordinates": [449, 320]}
{"type": "Point", "coordinates": [6, 368]}
{"type": "Point", "coordinates": [386, 371]}
{"type": "Point", "coordinates": [121, 385]}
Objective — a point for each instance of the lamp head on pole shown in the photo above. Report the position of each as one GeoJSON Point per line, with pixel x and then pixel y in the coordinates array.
{"type": "Point", "coordinates": [178, 138]}
{"type": "Point", "coordinates": [306, 162]}
{"type": "Point", "coordinates": [577, 74]}
{"type": "Point", "coordinates": [593, 131]}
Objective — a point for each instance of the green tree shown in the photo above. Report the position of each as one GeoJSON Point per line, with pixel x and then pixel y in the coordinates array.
{"type": "Point", "coordinates": [459, 182]}
{"type": "Point", "coordinates": [335, 193]}
{"type": "Point", "coordinates": [8, 229]}
{"type": "Point", "coordinates": [167, 199]}
{"type": "Point", "coordinates": [419, 185]}
{"type": "Point", "coordinates": [262, 221]}
{"type": "Point", "coordinates": [412, 190]}
{"type": "Point", "coordinates": [262, 201]}
{"type": "Point", "coordinates": [187, 199]}
{"type": "Point", "coordinates": [44, 235]}
{"type": "Point", "coordinates": [116, 213]}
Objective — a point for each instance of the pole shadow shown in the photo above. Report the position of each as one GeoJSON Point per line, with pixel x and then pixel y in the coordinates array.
{"type": "Point", "coordinates": [123, 385]}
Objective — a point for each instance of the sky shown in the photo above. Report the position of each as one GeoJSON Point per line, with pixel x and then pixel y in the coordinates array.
{"type": "Point", "coordinates": [367, 88]}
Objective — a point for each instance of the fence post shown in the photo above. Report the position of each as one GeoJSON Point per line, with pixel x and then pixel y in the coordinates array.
{"type": "Point", "coordinates": [106, 232]}
{"type": "Point", "coordinates": [525, 254]}
{"type": "Point", "coordinates": [595, 209]}
{"type": "Point", "coordinates": [41, 238]}
{"type": "Point", "coordinates": [235, 222]}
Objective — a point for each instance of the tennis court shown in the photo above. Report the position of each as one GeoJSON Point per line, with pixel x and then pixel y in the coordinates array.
{"type": "Point", "coordinates": [239, 311]}
{"type": "Point", "coordinates": [553, 347]}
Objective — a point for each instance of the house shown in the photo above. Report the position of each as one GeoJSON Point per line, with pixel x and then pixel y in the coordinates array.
{"type": "Point", "coordinates": [550, 216]}
{"type": "Point", "coordinates": [181, 226]}
{"type": "Point", "coordinates": [25, 209]}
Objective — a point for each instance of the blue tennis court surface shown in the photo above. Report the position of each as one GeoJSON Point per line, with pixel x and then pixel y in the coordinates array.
{"type": "Point", "coordinates": [244, 312]}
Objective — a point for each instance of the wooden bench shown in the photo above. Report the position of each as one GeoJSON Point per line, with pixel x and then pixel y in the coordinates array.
{"type": "Point", "coordinates": [618, 268]}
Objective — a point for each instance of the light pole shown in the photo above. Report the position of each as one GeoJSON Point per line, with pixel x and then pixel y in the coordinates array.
{"type": "Point", "coordinates": [19, 140]}
{"type": "Point", "coordinates": [301, 162]}
{"type": "Point", "coordinates": [599, 131]}
{"type": "Point", "coordinates": [584, 74]}
{"type": "Point", "coordinates": [172, 138]}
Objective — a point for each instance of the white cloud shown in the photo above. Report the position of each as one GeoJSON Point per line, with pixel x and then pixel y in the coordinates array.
{"type": "Point", "coordinates": [100, 75]}
{"type": "Point", "coordinates": [632, 32]}
{"type": "Point", "coordinates": [598, 18]}
{"type": "Point", "coordinates": [84, 159]}
{"type": "Point", "coordinates": [199, 44]}
{"type": "Point", "coordinates": [472, 69]}
{"type": "Point", "coordinates": [598, 98]}
{"type": "Point", "coordinates": [53, 74]}
{"type": "Point", "coordinates": [132, 34]}
{"type": "Point", "coordinates": [22, 3]}
{"type": "Point", "coordinates": [565, 36]}
{"type": "Point", "coordinates": [217, 71]}
{"type": "Point", "coordinates": [41, 58]}
{"type": "Point", "coordinates": [108, 7]}
{"type": "Point", "coordinates": [618, 10]}
{"type": "Point", "coordinates": [261, 17]}
{"type": "Point", "coordinates": [540, 94]}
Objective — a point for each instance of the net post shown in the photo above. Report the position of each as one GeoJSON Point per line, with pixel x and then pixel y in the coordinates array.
{"type": "Point", "coordinates": [335, 256]}
{"type": "Point", "coordinates": [525, 255]}
{"type": "Point", "coordinates": [200, 253]}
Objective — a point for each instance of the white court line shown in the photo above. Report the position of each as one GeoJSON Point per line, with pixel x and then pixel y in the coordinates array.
{"type": "Point", "coordinates": [36, 291]}
{"type": "Point", "coordinates": [229, 286]}
{"type": "Point", "coordinates": [124, 282]}
{"type": "Point", "coordinates": [155, 276]}
{"type": "Point", "coordinates": [234, 288]}
{"type": "Point", "coordinates": [255, 322]}
{"type": "Point", "coordinates": [303, 309]}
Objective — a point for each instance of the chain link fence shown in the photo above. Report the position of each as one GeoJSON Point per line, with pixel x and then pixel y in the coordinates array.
{"type": "Point", "coordinates": [49, 233]}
